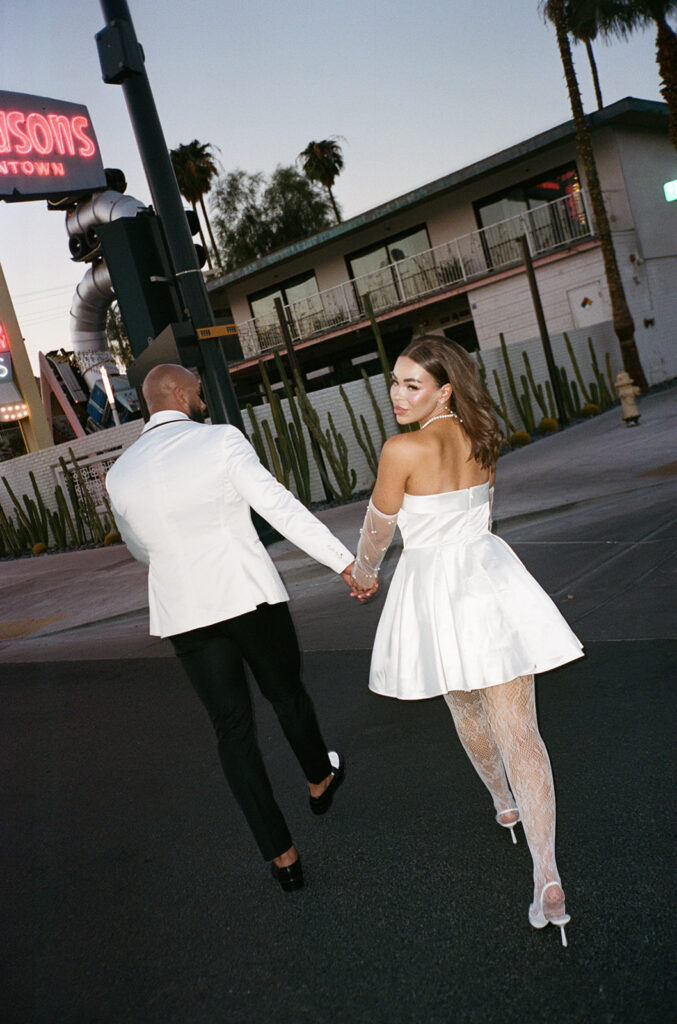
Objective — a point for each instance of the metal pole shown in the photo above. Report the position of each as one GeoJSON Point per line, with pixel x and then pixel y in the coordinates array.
{"type": "Point", "coordinates": [122, 63]}
{"type": "Point", "coordinates": [543, 330]}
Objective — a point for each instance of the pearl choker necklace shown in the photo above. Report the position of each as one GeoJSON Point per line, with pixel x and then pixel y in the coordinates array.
{"type": "Point", "coordinates": [442, 416]}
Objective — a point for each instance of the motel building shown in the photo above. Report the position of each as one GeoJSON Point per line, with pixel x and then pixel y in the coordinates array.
{"type": "Point", "coordinates": [447, 258]}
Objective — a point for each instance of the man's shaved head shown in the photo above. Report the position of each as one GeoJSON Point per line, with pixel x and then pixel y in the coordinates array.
{"type": "Point", "coordinates": [170, 386]}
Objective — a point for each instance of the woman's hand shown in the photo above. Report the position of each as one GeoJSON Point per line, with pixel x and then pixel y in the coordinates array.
{"type": "Point", "coordinates": [362, 591]}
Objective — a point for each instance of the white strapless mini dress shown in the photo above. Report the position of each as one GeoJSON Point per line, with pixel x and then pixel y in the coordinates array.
{"type": "Point", "coordinates": [462, 611]}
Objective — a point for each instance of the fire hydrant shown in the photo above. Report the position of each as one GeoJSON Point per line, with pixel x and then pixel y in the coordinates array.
{"type": "Point", "coordinates": [627, 392]}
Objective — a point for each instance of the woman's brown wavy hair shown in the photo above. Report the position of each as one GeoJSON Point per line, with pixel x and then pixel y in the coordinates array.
{"type": "Point", "coordinates": [448, 363]}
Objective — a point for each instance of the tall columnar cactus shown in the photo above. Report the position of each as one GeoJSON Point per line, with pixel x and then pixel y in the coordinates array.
{"type": "Point", "coordinates": [537, 389]}
{"type": "Point", "coordinates": [298, 451]}
{"type": "Point", "coordinates": [606, 399]}
{"type": "Point", "coordinates": [386, 369]}
{"type": "Point", "coordinates": [383, 358]}
{"type": "Point", "coordinates": [566, 393]}
{"type": "Point", "coordinates": [499, 407]}
{"type": "Point", "coordinates": [503, 406]}
{"type": "Point", "coordinates": [288, 448]}
{"type": "Point", "coordinates": [576, 399]}
{"type": "Point", "coordinates": [14, 538]}
{"type": "Point", "coordinates": [520, 406]}
{"type": "Point", "coordinates": [551, 402]}
{"type": "Point", "coordinates": [375, 406]}
{"type": "Point", "coordinates": [362, 436]}
{"type": "Point", "coordinates": [332, 444]}
{"type": "Point", "coordinates": [257, 439]}
{"type": "Point", "coordinates": [86, 508]}
{"type": "Point", "coordinates": [65, 514]}
{"type": "Point", "coordinates": [529, 420]}
{"type": "Point", "coordinates": [28, 515]}
{"type": "Point", "coordinates": [577, 370]}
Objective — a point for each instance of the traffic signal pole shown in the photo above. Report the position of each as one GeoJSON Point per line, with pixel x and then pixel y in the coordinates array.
{"type": "Point", "coordinates": [122, 63]}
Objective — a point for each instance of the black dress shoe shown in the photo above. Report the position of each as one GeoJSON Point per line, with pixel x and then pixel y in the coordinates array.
{"type": "Point", "coordinates": [321, 804]}
{"type": "Point", "coordinates": [291, 877]}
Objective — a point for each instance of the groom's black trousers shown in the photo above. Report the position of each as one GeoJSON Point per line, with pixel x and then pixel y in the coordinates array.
{"type": "Point", "coordinates": [214, 656]}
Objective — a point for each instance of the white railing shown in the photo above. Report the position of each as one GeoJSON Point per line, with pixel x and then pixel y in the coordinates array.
{"type": "Point", "coordinates": [547, 227]}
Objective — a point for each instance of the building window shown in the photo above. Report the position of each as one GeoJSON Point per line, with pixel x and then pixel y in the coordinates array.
{"type": "Point", "coordinates": [301, 294]}
{"type": "Point", "coordinates": [395, 270]}
{"type": "Point", "coordinates": [549, 225]}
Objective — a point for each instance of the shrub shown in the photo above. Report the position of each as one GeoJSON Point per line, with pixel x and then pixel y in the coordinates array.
{"type": "Point", "coordinates": [548, 425]}
{"type": "Point", "coordinates": [590, 409]}
{"type": "Point", "coordinates": [519, 438]}
{"type": "Point", "coordinates": [112, 538]}
{"type": "Point", "coordinates": [39, 548]}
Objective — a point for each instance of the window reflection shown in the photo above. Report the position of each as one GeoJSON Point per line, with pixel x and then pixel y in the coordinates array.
{"type": "Point", "coordinates": [551, 223]}
{"type": "Point", "coordinates": [395, 270]}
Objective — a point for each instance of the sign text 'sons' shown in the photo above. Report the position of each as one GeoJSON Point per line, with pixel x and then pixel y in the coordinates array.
{"type": "Point", "coordinates": [48, 149]}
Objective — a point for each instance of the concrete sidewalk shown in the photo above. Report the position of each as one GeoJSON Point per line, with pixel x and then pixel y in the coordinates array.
{"type": "Point", "coordinates": [93, 604]}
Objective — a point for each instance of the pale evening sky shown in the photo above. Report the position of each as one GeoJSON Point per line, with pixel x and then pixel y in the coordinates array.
{"type": "Point", "coordinates": [417, 90]}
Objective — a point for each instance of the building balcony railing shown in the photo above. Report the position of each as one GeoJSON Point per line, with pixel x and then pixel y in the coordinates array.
{"type": "Point", "coordinates": [548, 227]}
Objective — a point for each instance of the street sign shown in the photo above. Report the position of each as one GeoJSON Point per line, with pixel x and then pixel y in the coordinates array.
{"type": "Point", "coordinates": [48, 149]}
{"type": "Point", "coordinates": [221, 331]}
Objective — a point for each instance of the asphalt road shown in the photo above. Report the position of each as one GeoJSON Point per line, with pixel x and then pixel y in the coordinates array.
{"type": "Point", "coordinates": [133, 893]}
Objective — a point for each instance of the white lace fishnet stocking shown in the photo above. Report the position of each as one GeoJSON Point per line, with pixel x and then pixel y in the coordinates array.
{"type": "Point", "coordinates": [477, 739]}
{"type": "Point", "coordinates": [499, 731]}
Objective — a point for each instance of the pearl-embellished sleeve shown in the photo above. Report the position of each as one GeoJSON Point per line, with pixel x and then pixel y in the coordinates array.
{"type": "Point", "coordinates": [375, 536]}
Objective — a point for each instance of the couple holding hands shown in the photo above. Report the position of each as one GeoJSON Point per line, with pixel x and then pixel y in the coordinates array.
{"type": "Point", "coordinates": [463, 618]}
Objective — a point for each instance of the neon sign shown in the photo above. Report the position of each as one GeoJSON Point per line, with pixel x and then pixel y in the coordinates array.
{"type": "Point", "coordinates": [47, 149]}
{"type": "Point", "coordinates": [4, 340]}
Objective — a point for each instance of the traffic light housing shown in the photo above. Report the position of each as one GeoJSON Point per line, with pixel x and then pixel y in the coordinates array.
{"type": "Point", "coordinates": [136, 256]}
{"type": "Point", "coordinates": [194, 228]}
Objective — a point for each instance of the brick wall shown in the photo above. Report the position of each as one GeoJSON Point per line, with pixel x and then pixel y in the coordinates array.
{"type": "Point", "coordinates": [99, 449]}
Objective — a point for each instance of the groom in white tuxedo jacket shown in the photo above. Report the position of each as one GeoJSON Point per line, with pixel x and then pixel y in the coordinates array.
{"type": "Point", "coordinates": [182, 496]}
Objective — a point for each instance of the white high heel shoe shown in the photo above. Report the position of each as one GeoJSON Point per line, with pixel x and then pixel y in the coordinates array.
{"type": "Point", "coordinates": [509, 824]}
{"type": "Point", "coordinates": [538, 919]}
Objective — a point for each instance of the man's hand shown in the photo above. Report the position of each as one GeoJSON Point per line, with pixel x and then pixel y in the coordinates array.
{"type": "Point", "coordinates": [362, 593]}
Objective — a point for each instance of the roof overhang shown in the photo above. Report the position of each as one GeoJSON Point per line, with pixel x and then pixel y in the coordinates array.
{"type": "Point", "coordinates": [629, 111]}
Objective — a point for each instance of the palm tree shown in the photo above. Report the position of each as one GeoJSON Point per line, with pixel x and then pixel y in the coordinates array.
{"type": "Point", "coordinates": [323, 162]}
{"type": "Point", "coordinates": [195, 167]}
{"type": "Point", "coordinates": [556, 12]}
{"type": "Point", "coordinates": [583, 24]}
{"type": "Point", "coordinates": [619, 18]}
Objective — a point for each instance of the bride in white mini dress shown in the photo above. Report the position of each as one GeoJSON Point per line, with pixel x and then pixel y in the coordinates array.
{"type": "Point", "coordinates": [463, 618]}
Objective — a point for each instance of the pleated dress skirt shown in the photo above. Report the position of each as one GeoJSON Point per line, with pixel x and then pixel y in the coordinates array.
{"type": "Point", "coordinates": [462, 611]}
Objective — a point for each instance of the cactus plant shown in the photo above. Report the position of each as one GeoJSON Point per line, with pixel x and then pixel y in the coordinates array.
{"type": "Point", "coordinates": [375, 406]}
{"type": "Point", "coordinates": [548, 425]}
{"type": "Point", "coordinates": [332, 444]}
{"type": "Point", "coordinates": [537, 389]}
{"type": "Point", "coordinates": [499, 407]}
{"type": "Point", "coordinates": [362, 436]}
{"type": "Point", "coordinates": [606, 399]}
{"type": "Point", "coordinates": [13, 536]}
{"type": "Point", "coordinates": [256, 438]}
{"type": "Point", "coordinates": [523, 412]}
{"type": "Point", "coordinates": [590, 409]}
{"type": "Point", "coordinates": [528, 412]}
{"type": "Point", "coordinates": [519, 438]}
{"type": "Point", "coordinates": [577, 371]}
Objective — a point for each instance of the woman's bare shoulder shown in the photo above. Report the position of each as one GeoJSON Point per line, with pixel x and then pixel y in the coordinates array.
{"type": "Point", "coordinates": [401, 447]}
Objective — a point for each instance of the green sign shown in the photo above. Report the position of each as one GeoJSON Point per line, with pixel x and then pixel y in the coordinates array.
{"type": "Point", "coordinates": [670, 189]}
